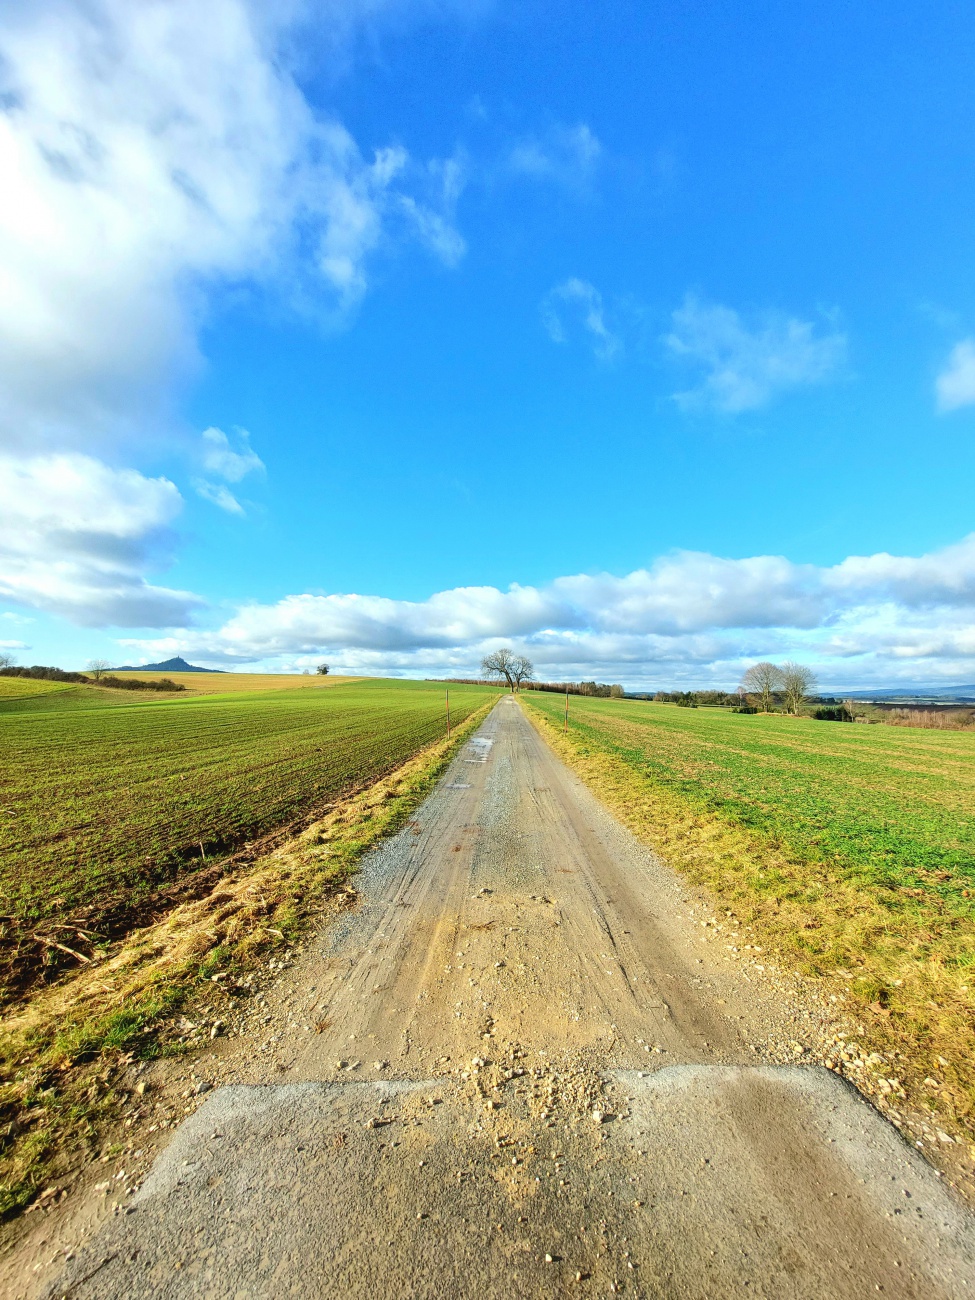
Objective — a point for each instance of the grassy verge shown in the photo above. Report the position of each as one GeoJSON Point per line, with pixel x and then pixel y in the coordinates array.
{"type": "Point", "coordinates": [892, 935]}
{"type": "Point", "coordinates": [62, 1052]}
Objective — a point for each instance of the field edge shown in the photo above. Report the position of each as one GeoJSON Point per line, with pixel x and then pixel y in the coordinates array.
{"type": "Point", "coordinates": [62, 1056]}
{"type": "Point", "coordinates": [897, 1054]}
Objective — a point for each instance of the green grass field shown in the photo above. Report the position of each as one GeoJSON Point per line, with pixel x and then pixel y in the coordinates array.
{"type": "Point", "coordinates": [849, 849]}
{"type": "Point", "coordinates": [20, 688]}
{"type": "Point", "coordinates": [104, 799]}
{"type": "Point", "coordinates": [892, 807]}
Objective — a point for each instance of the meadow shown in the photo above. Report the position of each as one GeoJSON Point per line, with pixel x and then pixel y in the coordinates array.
{"type": "Point", "coordinates": [890, 807]}
{"type": "Point", "coordinates": [114, 807]}
{"type": "Point", "coordinates": [850, 849]}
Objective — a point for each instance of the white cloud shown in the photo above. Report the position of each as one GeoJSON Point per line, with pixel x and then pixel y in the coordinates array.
{"type": "Point", "coordinates": [579, 301]}
{"type": "Point", "coordinates": [152, 153]}
{"type": "Point", "coordinates": [746, 366]}
{"type": "Point", "coordinates": [955, 386]}
{"type": "Point", "coordinates": [76, 538]}
{"type": "Point", "coordinates": [220, 458]}
{"type": "Point", "coordinates": [565, 155]}
{"type": "Point", "coordinates": [149, 153]}
{"type": "Point", "coordinates": [228, 461]}
{"type": "Point", "coordinates": [690, 616]}
{"type": "Point", "coordinates": [218, 495]}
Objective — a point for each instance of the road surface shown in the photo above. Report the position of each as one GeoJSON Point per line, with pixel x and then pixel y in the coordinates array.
{"type": "Point", "coordinates": [523, 1075]}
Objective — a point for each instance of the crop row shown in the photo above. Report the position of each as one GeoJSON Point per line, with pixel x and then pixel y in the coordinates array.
{"type": "Point", "coordinates": [98, 801]}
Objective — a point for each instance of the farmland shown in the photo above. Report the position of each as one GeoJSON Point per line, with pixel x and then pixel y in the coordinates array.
{"type": "Point", "coordinates": [222, 683]}
{"type": "Point", "coordinates": [889, 808]}
{"type": "Point", "coordinates": [111, 806]}
{"type": "Point", "coordinates": [850, 850]}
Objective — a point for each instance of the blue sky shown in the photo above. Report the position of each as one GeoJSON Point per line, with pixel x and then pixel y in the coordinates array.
{"type": "Point", "coordinates": [640, 338]}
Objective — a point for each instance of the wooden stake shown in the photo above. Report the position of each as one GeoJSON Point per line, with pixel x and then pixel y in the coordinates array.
{"type": "Point", "coordinates": [565, 725]}
{"type": "Point", "coordinates": [447, 693]}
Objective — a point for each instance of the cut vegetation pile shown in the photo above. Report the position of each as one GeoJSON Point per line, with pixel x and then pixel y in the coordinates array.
{"type": "Point", "coordinates": [851, 850]}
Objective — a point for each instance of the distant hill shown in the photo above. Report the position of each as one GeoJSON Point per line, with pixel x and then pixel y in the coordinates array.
{"type": "Point", "coordinates": [911, 692]}
{"type": "Point", "coordinates": [176, 665]}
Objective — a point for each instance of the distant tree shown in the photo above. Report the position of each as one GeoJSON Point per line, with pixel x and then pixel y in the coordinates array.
{"type": "Point", "coordinates": [522, 670]}
{"type": "Point", "coordinates": [500, 663]}
{"type": "Point", "coordinates": [763, 679]}
{"type": "Point", "coordinates": [7, 660]}
{"type": "Point", "coordinates": [98, 668]}
{"type": "Point", "coordinates": [798, 682]}
{"type": "Point", "coordinates": [322, 670]}
{"type": "Point", "coordinates": [616, 691]}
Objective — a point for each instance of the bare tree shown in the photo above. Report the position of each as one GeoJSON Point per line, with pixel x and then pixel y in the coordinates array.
{"type": "Point", "coordinates": [798, 682]}
{"type": "Point", "coordinates": [98, 667]}
{"type": "Point", "coordinates": [7, 660]}
{"type": "Point", "coordinates": [763, 680]}
{"type": "Point", "coordinates": [322, 670]}
{"type": "Point", "coordinates": [500, 663]}
{"type": "Point", "coordinates": [522, 670]}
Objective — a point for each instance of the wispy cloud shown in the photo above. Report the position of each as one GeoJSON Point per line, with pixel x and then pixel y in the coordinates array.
{"type": "Point", "coordinates": [220, 457]}
{"type": "Point", "coordinates": [231, 462]}
{"type": "Point", "coordinates": [745, 365]}
{"type": "Point", "coordinates": [565, 155]}
{"type": "Point", "coordinates": [955, 386]}
{"type": "Point", "coordinates": [576, 304]}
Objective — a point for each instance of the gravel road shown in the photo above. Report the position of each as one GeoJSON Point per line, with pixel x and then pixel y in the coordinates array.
{"type": "Point", "coordinates": [519, 1068]}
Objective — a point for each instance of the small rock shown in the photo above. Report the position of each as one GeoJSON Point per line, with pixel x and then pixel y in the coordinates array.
{"type": "Point", "coordinates": [600, 1116]}
{"type": "Point", "coordinates": [217, 1029]}
{"type": "Point", "coordinates": [203, 1086]}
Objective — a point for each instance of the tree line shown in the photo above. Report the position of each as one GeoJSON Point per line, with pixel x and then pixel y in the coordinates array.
{"type": "Point", "coordinates": [762, 685]}
{"type": "Point", "coordinates": [43, 673]}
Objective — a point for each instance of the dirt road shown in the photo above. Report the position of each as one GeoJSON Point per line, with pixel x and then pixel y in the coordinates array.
{"type": "Point", "coordinates": [517, 1069]}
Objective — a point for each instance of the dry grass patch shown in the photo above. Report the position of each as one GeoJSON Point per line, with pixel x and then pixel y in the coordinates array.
{"type": "Point", "coordinates": [901, 964]}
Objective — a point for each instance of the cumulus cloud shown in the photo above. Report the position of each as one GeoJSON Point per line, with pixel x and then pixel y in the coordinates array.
{"type": "Point", "coordinates": [152, 153]}
{"type": "Point", "coordinates": [691, 615]}
{"type": "Point", "coordinates": [148, 155]}
{"type": "Point", "coordinates": [76, 538]}
{"type": "Point", "coordinates": [575, 303]}
{"type": "Point", "coordinates": [955, 386]}
{"type": "Point", "coordinates": [745, 366]}
{"type": "Point", "coordinates": [565, 155]}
